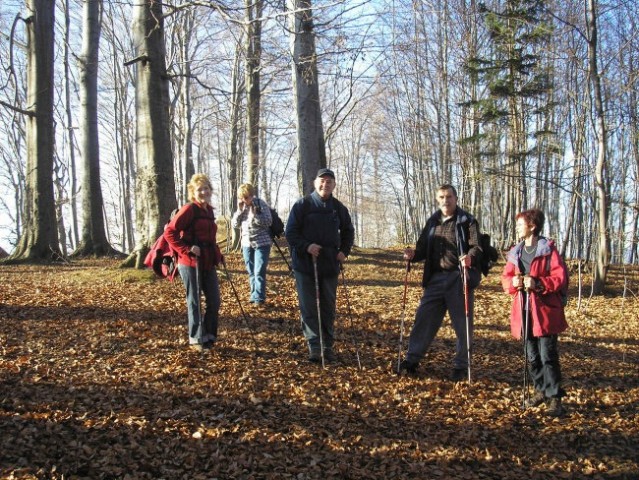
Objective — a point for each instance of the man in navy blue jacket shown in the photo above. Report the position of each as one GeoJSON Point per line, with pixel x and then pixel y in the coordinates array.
{"type": "Point", "coordinates": [320, 235]}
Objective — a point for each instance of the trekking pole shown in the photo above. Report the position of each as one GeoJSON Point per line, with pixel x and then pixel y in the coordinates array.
{"type": "Point", "coordinates": [199, 298]}
{"type": "Point", "coordinates": [290, 270]}
{"type": "Point", "coordinates": [467, 311]}
{"type": "Point", "coordinates": [350, 314]}
{"type": "Point", "coordinates": [401, 328]}
{"type": "Point", "coordinates": [319, 314]}
{"type": "Point", "coordinates": [525, 393]}
{"type": "Point", "coordinates": [239, 302]}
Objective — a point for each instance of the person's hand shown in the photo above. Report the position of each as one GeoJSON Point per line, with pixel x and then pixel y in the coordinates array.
{"type": "Point", "coordinates": [409, 253]}
{"type": "Point", "coordinates": [314, 249]}
{"type": "Point", "coordinates": [465, 261]}
{"type": "Point", "coordinates": [195, 250]}
{"type": "Point", "coordinates": [530, 283]}
{"type": "Point", "coordinates": [518, 282]}
{"type": "Point", "coordinates": [341, 258]}
{"type": "Point", "coordinates": [240, 205]}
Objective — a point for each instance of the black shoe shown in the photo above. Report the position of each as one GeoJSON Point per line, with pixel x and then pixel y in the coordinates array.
{"type": "Point", "coordinates": [459, 374]}
{"type": "Point", "coordinates": [315, 356]}
{"type": "Point", "coordinates": [329, 355]}
{"type": "Point", "coordinates": [208, 345]}
{"type": "Point", "coordinates": [407, 367]}
{"type": "Point", "coordinates": [537, 399]}
{"type": "Point", "coordinates": [555, 408]}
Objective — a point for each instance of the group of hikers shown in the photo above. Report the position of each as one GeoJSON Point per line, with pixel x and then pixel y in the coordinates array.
{"type": "Point", "coordinates": [320, 236]}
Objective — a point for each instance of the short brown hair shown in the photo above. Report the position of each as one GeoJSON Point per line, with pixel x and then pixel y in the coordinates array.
{"type": "Point", "coordinates": [447, 186]}
{"type": "Point", "coordinates": [535, 217]}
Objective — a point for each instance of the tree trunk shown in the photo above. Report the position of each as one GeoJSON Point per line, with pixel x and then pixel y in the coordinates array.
{"type": "Point", "coordinates": [311, 153]}
{"type": "Point", "coordinates": [155, 188]}
{"type": "Point", "coordinates": [39, 239]}
{"type": "Point", "coordinates": [70, 129]}
{"type": "Point", "coordinates": [93, 240]}
{"type": "Point", "coordinates": [603, 246]}
{"type": "Point", "coordinates": [253, 94]}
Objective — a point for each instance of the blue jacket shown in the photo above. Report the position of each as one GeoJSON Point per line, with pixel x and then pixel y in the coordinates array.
{"type": "Point", "coordinates": [325, 223]}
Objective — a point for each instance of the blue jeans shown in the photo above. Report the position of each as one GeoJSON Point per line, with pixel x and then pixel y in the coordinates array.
{"type": "Point", "coordinates": [444, 291]}
{"type": "Point", "coordinates": [207, 332]}
{"type": "Point", "coordinates": [307, 298]}
{"type": "Point", "coordinates": [256, 261]}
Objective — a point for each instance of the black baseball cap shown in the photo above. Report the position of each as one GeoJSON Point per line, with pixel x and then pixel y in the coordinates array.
{"type": "Point", "coordinates": [325, 172]}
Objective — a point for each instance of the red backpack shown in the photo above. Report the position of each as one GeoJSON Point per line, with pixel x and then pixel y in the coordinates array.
{"type": "Point", "coordinates": [162, 258]}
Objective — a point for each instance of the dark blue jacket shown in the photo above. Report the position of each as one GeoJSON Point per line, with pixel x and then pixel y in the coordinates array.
{"type": "Point", "coordinates": [325, 223]}
{"type": "Point", "coordinates": [467, 231]}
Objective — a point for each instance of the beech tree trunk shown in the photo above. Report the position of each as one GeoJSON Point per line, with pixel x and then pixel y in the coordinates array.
{"type": "Point", "coordinates": [39, 239]}
{"type": "Point", "coordinates": [93, 239]}
{"type": "Point", "coordinates": [311, 152]}
{"type": "Point", "coordinates": [155, 187]}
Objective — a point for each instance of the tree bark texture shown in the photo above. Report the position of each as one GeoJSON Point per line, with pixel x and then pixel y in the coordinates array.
{"type": "Point", "coordinates": [311, 151]}
{"type": "Point", "coordinates": [39, 238]}
{"type": "Point", "coordinates": [155, 188]}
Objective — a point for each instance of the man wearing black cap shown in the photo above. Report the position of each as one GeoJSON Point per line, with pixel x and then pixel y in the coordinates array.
{"type": "Point", "coordinates": [320, 235]}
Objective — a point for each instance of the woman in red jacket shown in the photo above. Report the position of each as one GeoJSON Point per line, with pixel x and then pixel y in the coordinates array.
{"type": "Point", "coordinates": [191, 233]}
{"type": "Point", "coordinates": [535, 275]}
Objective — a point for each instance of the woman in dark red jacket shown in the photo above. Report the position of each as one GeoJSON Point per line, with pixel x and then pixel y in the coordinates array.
{"type": "Point", "coordinates": [191, 233]}
{"type": "Point", "coordinates": [535, 275]}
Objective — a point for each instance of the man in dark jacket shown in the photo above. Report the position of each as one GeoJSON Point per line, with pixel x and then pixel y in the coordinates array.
{"type": "Point", "coordinates": [320, 235]}
{"type": "Point", "coordinates": [449, 244]}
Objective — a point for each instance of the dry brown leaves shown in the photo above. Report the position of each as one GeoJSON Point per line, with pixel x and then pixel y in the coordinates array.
{"type": "Point", "coordinates": [97, 382]}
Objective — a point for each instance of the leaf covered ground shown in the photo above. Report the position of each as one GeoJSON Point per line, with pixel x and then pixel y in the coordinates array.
{"type": "Point", "coordinates": [97, 382]}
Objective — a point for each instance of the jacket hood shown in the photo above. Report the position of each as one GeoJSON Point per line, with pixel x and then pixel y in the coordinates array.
{"type": "Point", "coordinates": [544, 247]}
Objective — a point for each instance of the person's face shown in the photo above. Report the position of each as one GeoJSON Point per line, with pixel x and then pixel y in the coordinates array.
{"type": "Point", "coordinates": [447, 202]}
{"type": "Point", "coordinates": [203, 193]}
{"type": "Point", "coordinates": [325, 186]}
{"type": "Point", "coordinates": [248, 200]}
{"type": "Point", "coordinates": [524, 229]}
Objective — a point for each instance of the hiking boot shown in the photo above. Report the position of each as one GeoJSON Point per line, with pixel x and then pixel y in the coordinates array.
{"type": "Point", "coordinates": [537, 399]}
{"type": "Point", "coordinates": [208, 345]}
{"type": "Point", "coordinates": [329, 356]}
{"type": "Point", "coordinates": [407, 367]}
{"type": "Point", "coordinates": [555, 408]}
{"type": "Point", "coordinates": [459, 374]}
{"type": "Point", "coordinates": [315, 356]}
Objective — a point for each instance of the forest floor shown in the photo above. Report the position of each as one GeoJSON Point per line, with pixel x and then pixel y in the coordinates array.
{"type": "Point", "coordinates": [97, 382]}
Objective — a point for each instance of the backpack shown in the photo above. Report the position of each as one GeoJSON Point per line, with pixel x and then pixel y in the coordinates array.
{"type": "Point", "coordinates": [277, 225]}
{"type": "Point", "coordinates": [489, 255]}
{"type": "Point", "coordinates": [162, 259]}
{"type": "Point", "coordinates": [563, 291]}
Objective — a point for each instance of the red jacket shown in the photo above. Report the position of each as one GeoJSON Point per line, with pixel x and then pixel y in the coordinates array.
{"type": "Point", "coordinates": [194, 224]}
{"type": "Point", "coordinates": [546, 309]}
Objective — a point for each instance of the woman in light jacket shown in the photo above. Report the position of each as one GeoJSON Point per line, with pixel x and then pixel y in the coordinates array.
{"type": "Point", "coordinates": [536, 277]}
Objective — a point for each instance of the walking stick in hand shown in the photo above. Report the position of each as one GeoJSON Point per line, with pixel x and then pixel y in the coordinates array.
{"type": "Point", "coordinates": [467, 311]}
{"type": "Point", "coordinates": [525, 393]}
{"type": "Point", "coordinates": [319, 313]}
{"type": "Point", "coordinates": [401, 326]}
{"type": "Point", "coordinates": [350, 314]}
{"type": "Point", "coordinates": [199, 298]}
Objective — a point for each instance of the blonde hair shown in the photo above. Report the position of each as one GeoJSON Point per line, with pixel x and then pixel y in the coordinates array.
{"type": "Point", "coordinates": [197, 180]}
{"type": "Point", "coordinates": [245, 190]}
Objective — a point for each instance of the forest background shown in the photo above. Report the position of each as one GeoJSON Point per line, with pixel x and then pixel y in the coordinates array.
{"type": "Point", "coordinates": [518, 103]}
